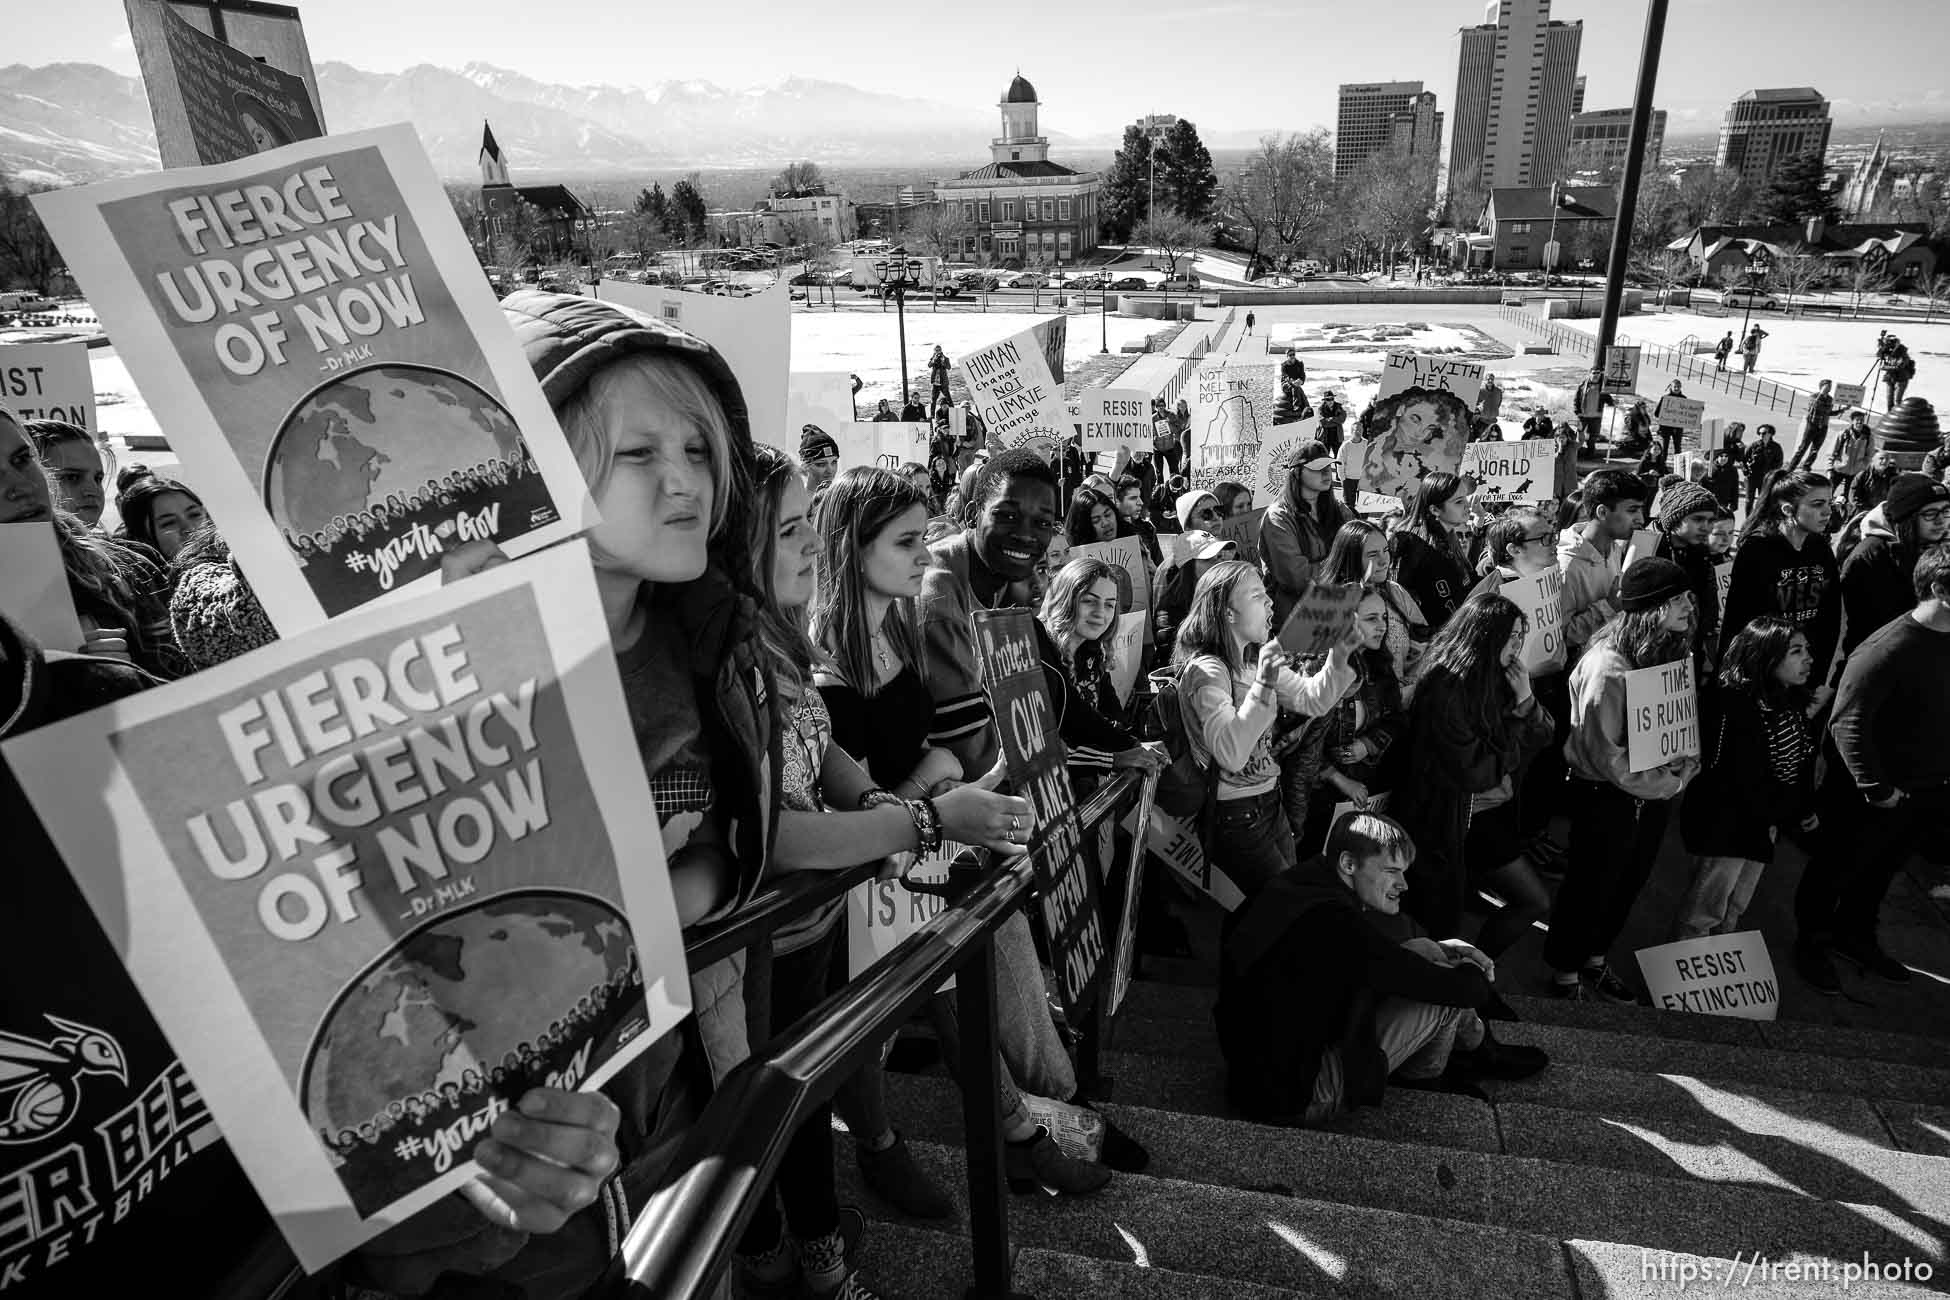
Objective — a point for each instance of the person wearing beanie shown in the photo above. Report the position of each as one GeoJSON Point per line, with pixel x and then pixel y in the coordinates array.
{"type": "Point", "coordinates": [1618, 816]}
{"type": "Point", "coordinates": [1197, 510]}
{"type": "Point", "coordinates": [1876, 576]}
{"type": "Point", "coordinates": [214, 612]}
{"type": "Point", "coordinates": [1685, 520]}
{"type": "Point", "coordinates": [819, 455]}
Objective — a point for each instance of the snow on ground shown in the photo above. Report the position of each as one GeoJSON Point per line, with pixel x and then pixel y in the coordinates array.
{"type": "Point", "coordinates": [868, 343]}
{"type": "Point", "coordinates": [1802, 352]}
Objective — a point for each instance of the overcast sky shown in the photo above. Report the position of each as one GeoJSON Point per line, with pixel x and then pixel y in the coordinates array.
{"type": "Point", "coordinates": [1229, 65]}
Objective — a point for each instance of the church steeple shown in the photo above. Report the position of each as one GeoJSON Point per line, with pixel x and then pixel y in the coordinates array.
{"type": "Point", "coordinates": [494, 167]}
{"type": "Point", "coordinates": [1020, 140]}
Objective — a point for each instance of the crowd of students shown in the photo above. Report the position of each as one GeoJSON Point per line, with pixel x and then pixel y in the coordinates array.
{"type": "Point", "coordinates": [797, 650]}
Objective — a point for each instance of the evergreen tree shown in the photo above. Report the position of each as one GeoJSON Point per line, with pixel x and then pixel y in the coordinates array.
{"type": "Point", "coordinates": [1798, 192]}
{"type": "Point", "coordinates": [1186, 180]}
{"type": "Point", "coordinates": [1124, 198]}
{"type": "Point", "coordinates": [687, 210]}
{"type": "Point", "coordinates": [651, 203]}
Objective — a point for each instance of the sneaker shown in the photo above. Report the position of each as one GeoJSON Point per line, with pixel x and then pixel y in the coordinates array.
{"type": "Point", "coordinates": [894, 1176]}
{"type": "Point", "coordinates": [828, 1276]}
{"type": "Point", "coordinates": [1121, 1152]}
{"type": "Point", "coordinates": [1869, 956]}
{"type": "Point", "coordinates": [1816, 966]}
{"type": "Point", "coordinates": [1038, 1163]}
{"type": "Point", "coordinates": [1607, 985]}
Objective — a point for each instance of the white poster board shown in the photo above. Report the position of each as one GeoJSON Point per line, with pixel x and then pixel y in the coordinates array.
{"type": "Point", "coordinates": [34, 585]}
{"type": "Point", "coordinates": [1512, 471]}
{"type": "Point", "coordinates": [1019, 400]}
{"type": "Point", "coordinates": [1125, 556]}
{"type": "Point", "coordinates": [1423, 416]}
{"type": "Point", "coordinates": [1126, 647]}
{"type": "Point", "coordinates": [1847, 395]}
{"type": "Point", "coordinates": [350, 413]}
{"type": "Point", "coordinates": [327, 864]}
{"type": "Point", "coordinates": [1719, 975]}
{"type": "Point", "coordinates": [1644, 545]}
{"type": "Point", "coordinates": [1231, 399]}
{"type": "Point", "coordinates": [753, 335]}
{"type": "Point", "coordinates": [1114, 418]}
{"type": "Point", "coordinates": [1682, 413]}
{"type": "Point", "coordinates": [1176, 845]}
{"type": "Point", "coordinates": [1621, 369]}
{"type": "Point", "coordinates": [1278, 449]}
{"type": "Point", "coordinates": [1541, 598]}
{"type": "Point", "coordinates": [883, 914]}
{"type": "Point", "coordinates": [1661, 715]}
{"type": "Point", "coordinates": [49, 381]}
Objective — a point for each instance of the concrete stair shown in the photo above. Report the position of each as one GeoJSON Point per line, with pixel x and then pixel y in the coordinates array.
{"type": "Point", "coordinates": [1655, 1140]}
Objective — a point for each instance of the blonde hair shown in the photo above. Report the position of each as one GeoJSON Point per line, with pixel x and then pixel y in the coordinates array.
{"type": "Point", "coordinates": [683, 394]}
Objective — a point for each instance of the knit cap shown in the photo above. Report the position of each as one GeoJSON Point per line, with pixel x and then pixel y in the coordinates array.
{"type": "Point", "coordinates": [1684, 498]}
{"type": "Point", "coordinates": [1909, 494]}
{"type": "Point", "coordinates": [1650, 583]}
{"type": "Point", "coordinates": [216, 616]}
{"type": "Point", "coordinates": [816, 444]}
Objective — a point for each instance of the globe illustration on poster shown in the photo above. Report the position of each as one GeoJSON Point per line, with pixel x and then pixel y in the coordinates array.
{"type": "Point", "coordinates": [460, 996]}
{"type": "Point", "coordinates": [384, 431]}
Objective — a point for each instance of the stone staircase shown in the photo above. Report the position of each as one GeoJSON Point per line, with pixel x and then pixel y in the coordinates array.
{"type": "Point", "coordinates": [1654, 1140]}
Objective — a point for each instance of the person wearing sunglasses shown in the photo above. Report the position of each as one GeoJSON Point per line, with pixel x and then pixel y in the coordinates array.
{"type": "Point", "coordinates": [1198, 511]}
{"type": "Point", "coordinates": [1877, 575]}
{"type": "Point", "coordinates": [1300, 526]}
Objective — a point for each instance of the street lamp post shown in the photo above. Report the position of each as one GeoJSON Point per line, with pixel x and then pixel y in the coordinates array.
{"type": "Point", "coordinates": [899, 272]}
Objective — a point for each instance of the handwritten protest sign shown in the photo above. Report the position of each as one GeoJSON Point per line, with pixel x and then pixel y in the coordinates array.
{"type": "Point", "coordinates": [1125, 556]}
{"type": "Point", "coordinates": [212, 103]}
{"type": "Point", "coordinates": [1375, 503]}
{"type": "Point", "coordinates": [888, 444]}
{"type": "Point", "coordinates": [1114, 418]}
{"type": "Point", "coordinates": [1682, 413]}
{"type": "Point", "coordinates": [883, 914]}
{"type": "Point", "coordinates": [1511, 471]}
{"type": "Point", "coordinates": [1176, 844]}
{"type": "Point", "coordinates": [34, 585]}
{"type": "Point", "coordinates": [1032, 752]}
{"type": "Point", "coordinates": [753, 335]}
{"type": "Point", "coordinates": [1243, 530]}
{"type": "Point", "coordinates": [378, 880]}
{"type": "Point", "coordinates": [1719, 975]}
{"type": "Point", "coordinates": [1019, 400]}
{"type": "Point", "coordinates": [49, 381]}
{"type": "Point", "coordinates": [1423, 416]}
{"type": "Point", "coordinates": [1621, 369]}
{"type": "Point", "coordinates": [1321, 618]}
{"type": "Point", "coordinates": [1127, 920]}
{"type": "Point", "coordinates": [314, 331]}
{"type": "Point", "coordinates": [1723, 577]}
{"type": "Point", "coordinates": [1847, 395]}
{"type": "Point", "coordinates": [1644, 545]}
{"type": "Point", "coordinates": [1541, 598]}
{"type": "Point", "coordinates": [1276, 452]}
{"type": "Point", "coordinates": [1231, 399]}
{"type": "Point", "coordinates": [1126, 647]}
{"type": "Point", "coordinates": [1661, 715]}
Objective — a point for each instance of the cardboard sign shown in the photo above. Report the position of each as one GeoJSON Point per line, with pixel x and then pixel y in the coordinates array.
{"type": "Point", "coordinates": [1278, 450]}
{"type": "Point", "coordinates": [1126, 648]}
{"type": "Point", "coordinates": [1032, 752]}
{"type": "Point", "coordinates": [1125, 556]}
{"type": "Point", "coordinates": [212, 103]}
{"type": "Point", "coordinates": [377, 881]}
{"type": "Point", "coordinates": [882, 914]}
{"type": "Point", "coordinates": [1643, 546]}
{"type": "Point", "coordinates": [1114, 418]}
{"type": "Point", "coordinates": [1621, 369]}
{"type": "Point", "coordinates": [1176, 844]}
{"type": "Point", "coordinates": [1231, 398]}
{"type": "Point", "coordinates": [313, 330]}
{"type": "Point", "coordinates": [888, 444]}
{"type": "Point", "coordinates": [1541, 598]}
{"type": "Point", "coordinates": [1723, 577]}
{"type": "Point", "coordinates": [1720, 975]}
{"type": "Point", "coordinates": [1423, 416]}
{"type": "Point", "coordinates": [1847, 395]}
{"type": "Point", "coordinates": [1682, 413]}
{"type": "Point", "coordinates": [1127, 920]}
{"type": "Point", "coordinates": [823, 399]}
{"type": "Point", "coordinates": [1244, 531]}
{"type": "Point", "coordinates": [34, 585]}
{"type": "Point", "coordinates": [1661, 715]}
{"type": "Point", "coordinates": [1377, 803]}
{"type": "Point", "coordinates": [1375, 503]}
{"type": "Point", "coordinates": [1019, 400]}
{"type": "Point", "coordinates": [1320, 619]}
{"type": "Point", "coordinates": [1712, 435]}
{"type": "Point", "coordinates": [1511, 471]}
{"type": "Point", "coordinates": [49, 381]}
{"type": "Point", "coordinates": [753, 335]}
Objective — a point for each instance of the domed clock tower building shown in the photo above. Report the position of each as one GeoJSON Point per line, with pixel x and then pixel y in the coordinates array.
{"type": "Point", "coordinates": [1023, 209]}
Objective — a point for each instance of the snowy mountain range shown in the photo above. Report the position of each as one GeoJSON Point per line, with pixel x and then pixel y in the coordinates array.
{"type": "Point", "coordinates": [69, 122]}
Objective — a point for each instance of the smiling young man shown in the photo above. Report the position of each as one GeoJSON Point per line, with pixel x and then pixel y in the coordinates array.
{"type": "Point", "coordinates": [1321, 1000]}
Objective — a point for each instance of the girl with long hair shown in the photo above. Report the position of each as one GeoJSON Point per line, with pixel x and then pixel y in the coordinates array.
{"type": "Point", "coordinates": [1345, 754]}
{"type": "Point", "coordinates": [872, 679]}
{"type": "Point", "coordinates": [1618, 816]}
{"type": "Point", "coordinates": [1360, 554]}
{"type": "Point", "coordinates": [77, 466]}
{"type": "Point", "coordinates": [159, 512]}
{"type": "Point", "coordinates": [1092, 518]}
{"type": "Point", "coordinates": [1079, 613]}
{"type": "Point", "coordinates": [1784, 566]}
{"type": "Point", "coordinates": [1758, 779]}
{"type": "Point", "coordinates": [1430, 557]}
{"type": "Point", "coordinates": [1233, 681]}
{"type": "Point", "coordinates": [1235, 499]}
{"type": "Point", "coordinates": [1474, 726]}
{"type": "Point", "coordinates": [1300, 526]}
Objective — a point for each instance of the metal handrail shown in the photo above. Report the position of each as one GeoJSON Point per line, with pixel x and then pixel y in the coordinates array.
{"type": "Point", "coordinates": [680, 1240]}
{"type": "Point", "coordinates": [770, 909]}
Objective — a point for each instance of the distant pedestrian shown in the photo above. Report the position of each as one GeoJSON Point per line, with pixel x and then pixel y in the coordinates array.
{"type": "Point", "coordinates": [1249, 322]}
{"type": "Point", "coordinates": [938, 367]}
{"type": "Point", "coordinates": [1814, 429]}
{"type": "Point", "coordinates": [1763, 458]}
{"type": "Point", "coordinates": [1723, 351]}
{"type": "Point", "coordinates": [1670, 434]}
{"type": "Point", "coordinates": [1897, 371]}
{"type": "Point", "coordinates": [1750, 349]}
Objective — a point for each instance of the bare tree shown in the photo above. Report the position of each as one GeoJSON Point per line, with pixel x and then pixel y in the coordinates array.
{"type": "Point", "coordinates": [1664, 267]}
{"type": "Point", "coordinates": [512, 231]}
{"type": "Point", "coordinates": [1282, 195]}
{"type": "Point", "coordinates": [1388, 201]}
{"type": "Point", "coordinates": [1797, 271]}
{"type": "Point", "coordinates": [1173, 234]}
{"type": "Point", "coordinates": [466, 202]}
{"type": "Point", "coordinates": [943, 228]}
{"type": "Point", "coordinates": [1865, 279]}
{"type": "Point", "coordinates": [798, 179]}
{"type": "Point", "coordinates": [27, 254]}
{"type": "Point", "coordinates": [1935, 293]}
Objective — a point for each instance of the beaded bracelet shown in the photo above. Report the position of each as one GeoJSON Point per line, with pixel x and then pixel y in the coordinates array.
{"type": "Point", "coordinates": [927, 824]}
{"type": "Point", "coordinates": [876, 798]}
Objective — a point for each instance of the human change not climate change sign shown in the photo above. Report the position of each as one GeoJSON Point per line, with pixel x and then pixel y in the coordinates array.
{"type": "Point", "coordinates": [1016, 394]}
{"type": "Point", "coordinates": [378, 880]}
{"type": "Point", "coordinates": [313, 330]}
{"type": "Point", "coordinates": [1033, 754]}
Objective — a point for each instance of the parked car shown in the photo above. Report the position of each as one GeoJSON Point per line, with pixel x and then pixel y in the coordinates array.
{"type": "Point", "coordinates": [1088, 280]}
{"type": "Point", "coordinates": [1749, 297]}
{"type": "Point", "coordinates": [1181, 282]}
{"type": "Point", "coordinates": [1131, 282]}
{"type": "Point", "coordinates": [1029, 280]}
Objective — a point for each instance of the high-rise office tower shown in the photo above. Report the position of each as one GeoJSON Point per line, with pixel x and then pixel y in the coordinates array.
{"type": "Point", "coordinates": [1577, 96]}
{"type": "Point", "coordinates": [1599, 138]}
{"type": "Point", "coordinates": [1516, 80]}
{"type": "Point", "coordinates": [1377, 115]}
{"type": "Point", "coordinates": [1764, 128]}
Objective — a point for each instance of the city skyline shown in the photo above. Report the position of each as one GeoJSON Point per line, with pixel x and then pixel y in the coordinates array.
{"type": "Point", "coordinates": [1877, 68]}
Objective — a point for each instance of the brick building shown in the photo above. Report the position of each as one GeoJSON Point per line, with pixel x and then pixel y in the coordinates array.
{"type": "Point", "coordinates": [1023, 209]}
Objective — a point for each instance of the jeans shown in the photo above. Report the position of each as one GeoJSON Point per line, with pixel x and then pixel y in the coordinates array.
{"type": "Point", "coordinates": [1858, 851]}
{"type": "Point", "coordinates": [1251, 840]}
{"type": "Point", "coordinates": [1034, 1058]}
{"type": "Point", "coordinates": [1809, 447]}
{"type": "Point", "coordinates": [1670, 436]}
{"type": "Point", "coordinates": [1719, 894]}
{"type": "Point", "coordinates": [1614, 841]}
{"type": "Point", "coordinates": [1416, 1037]}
